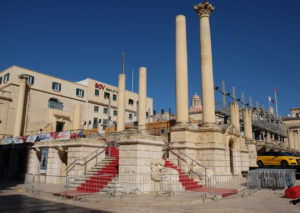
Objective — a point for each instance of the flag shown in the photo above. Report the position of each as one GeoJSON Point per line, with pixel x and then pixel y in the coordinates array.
{"type": "Point", "coordinates": [276, 91]}
{"type": "Point", "coordinates": [271, 100]}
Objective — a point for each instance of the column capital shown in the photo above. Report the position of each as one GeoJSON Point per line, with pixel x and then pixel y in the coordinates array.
{"type": "Point", "coordinates": [204, 9]}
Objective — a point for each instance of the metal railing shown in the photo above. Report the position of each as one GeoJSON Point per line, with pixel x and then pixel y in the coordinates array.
{"type": "Point", "coordinates": [180, 158]}
{"type": "Point", "coordinates": [83, 161]}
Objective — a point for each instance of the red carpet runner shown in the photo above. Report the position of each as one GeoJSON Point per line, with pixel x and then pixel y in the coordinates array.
{"type": "Point", "coordinates": [99, 179]}
{"type": "Point", "coordinates": [191, 185]}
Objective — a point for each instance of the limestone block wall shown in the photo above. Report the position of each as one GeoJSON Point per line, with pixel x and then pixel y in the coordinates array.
{"type": "Point", "coordinates": [136, 156]}
{"type": "Point", "coordinates": [82, 152]}
{"type": "Point", "coordinates": [252, 155]}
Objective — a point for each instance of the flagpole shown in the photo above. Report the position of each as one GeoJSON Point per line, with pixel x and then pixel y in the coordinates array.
{"type": "Point", "coordinates": [269, 103]}
{"type": "Point", "coordinates": [132, 80]}
{"type": "Point", "coordinates": [276, 102]}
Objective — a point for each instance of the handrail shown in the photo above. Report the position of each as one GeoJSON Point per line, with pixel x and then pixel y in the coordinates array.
{"type": "Point", "coordinates": [193, 160]}
{"type": "Point", "coordinates": [86, 160]}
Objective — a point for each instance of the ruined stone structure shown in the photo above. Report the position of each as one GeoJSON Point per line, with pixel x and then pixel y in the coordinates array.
{"type": "Point", "coordinates": [206, 148]}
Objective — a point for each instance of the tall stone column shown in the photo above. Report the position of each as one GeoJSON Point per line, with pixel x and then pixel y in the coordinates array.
{"type": "Point", "coordinates": [295, 139]}
{"type": "Point", "coordinates": [247, 123]}
{"type": "Point", "coordinates": [207, 81]}
{"type": "Point", "coordinates": [76, 117]}
{"type": "Point", "coordinates": [142, 98]}
{"type": "Point", "coordinates": [182, 102]}
{"type": "Point", "coordinates": [291, 139]}
{"type": "Point", "coordinates": [268, 139]}
{"type": "Point", "coordinates": [234, 116]}
{"type": "Point", "coordinates": [20, 106]}
{"type": "Point", "coordinates": [121, 103]}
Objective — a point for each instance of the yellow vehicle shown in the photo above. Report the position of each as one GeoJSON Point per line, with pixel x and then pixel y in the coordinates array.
{"type": "Point", "coordinates": [282, 159]}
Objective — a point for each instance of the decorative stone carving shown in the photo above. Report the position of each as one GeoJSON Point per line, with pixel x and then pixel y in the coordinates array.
{"type": "Point", "coordinates": [156, 169]}
{"type": "Point", "coordinates": [199, 172]}
{"type": "Point", "coordinates": [204, 9]}
{"type": "Point", "coordinates": [231, 129]}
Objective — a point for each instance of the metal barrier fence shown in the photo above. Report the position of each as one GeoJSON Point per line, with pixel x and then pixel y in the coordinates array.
{"type": "Point", "coordinates": [223, 184]}
{"type": "Point", "coordinates": [133, 184]}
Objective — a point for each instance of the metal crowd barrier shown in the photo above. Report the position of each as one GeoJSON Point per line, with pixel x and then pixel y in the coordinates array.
{"type": "Point", "coordinates": [223, 184]}
{"type": "Point", "coordinates": [96, 186]}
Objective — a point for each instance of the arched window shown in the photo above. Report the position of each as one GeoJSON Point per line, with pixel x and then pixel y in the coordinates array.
{"type": "Point", "coordinates": [53, 103]}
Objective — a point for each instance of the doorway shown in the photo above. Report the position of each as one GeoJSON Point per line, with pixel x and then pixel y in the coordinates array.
{"type": "Point", "coordinates": [59, 126]}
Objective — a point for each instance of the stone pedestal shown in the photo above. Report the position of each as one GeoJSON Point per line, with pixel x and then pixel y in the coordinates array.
{"type": "Point", "coordinates": [138, 153]}
{"type": "Point", "coordinates": [222, 153]}
{"type": "Point", "coordinates": [252, 152]}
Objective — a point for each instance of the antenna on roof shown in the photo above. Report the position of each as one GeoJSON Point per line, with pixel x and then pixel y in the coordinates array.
{"type": "Point", "coordinates": [122, 62]}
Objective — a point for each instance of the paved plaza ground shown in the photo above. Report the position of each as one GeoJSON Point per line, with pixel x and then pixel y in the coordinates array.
{"type": "Point", "coordinates": [13, 199]}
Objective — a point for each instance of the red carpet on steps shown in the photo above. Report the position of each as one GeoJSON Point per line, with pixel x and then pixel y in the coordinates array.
{"type": "Point", "coordinates": [99, 179]}
{"type": "Point", "coordinates": [191, 185]}
{"type": "Point", "coordinates": [293, 192]}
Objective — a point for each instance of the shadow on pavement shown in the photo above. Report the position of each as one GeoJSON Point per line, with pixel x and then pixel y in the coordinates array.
{"type": "Point", "coordinates": [6, 183]}
{"type": "Point", "coordinates": [25, 204]}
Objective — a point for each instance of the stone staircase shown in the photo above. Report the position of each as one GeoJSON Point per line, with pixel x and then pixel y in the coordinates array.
{"type": "Point", "coordinates": [191, 185]}
{"type": "Point", "coordinates": [100, 177]}
{"type": "Point", "coordinates": [187, 182]}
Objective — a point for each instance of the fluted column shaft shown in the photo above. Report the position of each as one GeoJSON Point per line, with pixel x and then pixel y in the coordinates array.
{"type": "Point", "coordinates": [142, 98]}
{"type": "Point", "coordinates": [121, 103]}
{"type": "Point", "coordinates": [182, 102]}
{"type": "Point", "coordinates": [20, 108]}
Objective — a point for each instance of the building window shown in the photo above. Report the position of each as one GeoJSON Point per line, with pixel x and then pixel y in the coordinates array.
{"type": "Point", "coordinates": [147, 114]}
{"type": "Point", "coordinates": [106, 95]}
{"type": "Point", "coordinates": [115, 112]}
{"type": "Point", "coordinates": [80, 92]}
{"type": "Point", "coordinates": [297, 115]}
{"type": "Point", "coordinates": [0, 80]}
{"type": "Point", "coordinates": [104, 124]}
{"type": "Point", "coordinates": [6, 78]}
{"type": "Point", "coordinates": [114, 97]}
{"type": "Point", "coordinates": [30, 79]}
{"type": "Point", "coordinates": [105, 110]}
{"type": "Point", "coordinates": [96, 92]}
{"type": "Point", "coordinates": [96, 109]}
{"type": "Point", "coordinates": [130, 102]}
{"type": "Point", "coordinates": [130, 116]}
{"type": "Point", "coordinates": [56, 86]}
{"type": "Point", "coordinates": [95, 123]}
{"type": "Point", "coordinates": [55, 104]}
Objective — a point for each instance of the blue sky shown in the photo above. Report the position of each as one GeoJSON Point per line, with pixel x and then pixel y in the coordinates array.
{"type": "Point", "coordinates": [255, 44]}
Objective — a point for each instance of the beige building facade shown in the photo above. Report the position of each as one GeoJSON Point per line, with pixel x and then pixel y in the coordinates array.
{"type": "Point", "coordinates": [37, 101]}
{"type": "Point", "coordinates": [293, 130]}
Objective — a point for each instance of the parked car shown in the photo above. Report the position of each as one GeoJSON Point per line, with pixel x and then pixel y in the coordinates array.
{"type": "Point", "coordinates": [293, 154]}
{"type": "Point", "coordinates": [282, 159]}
